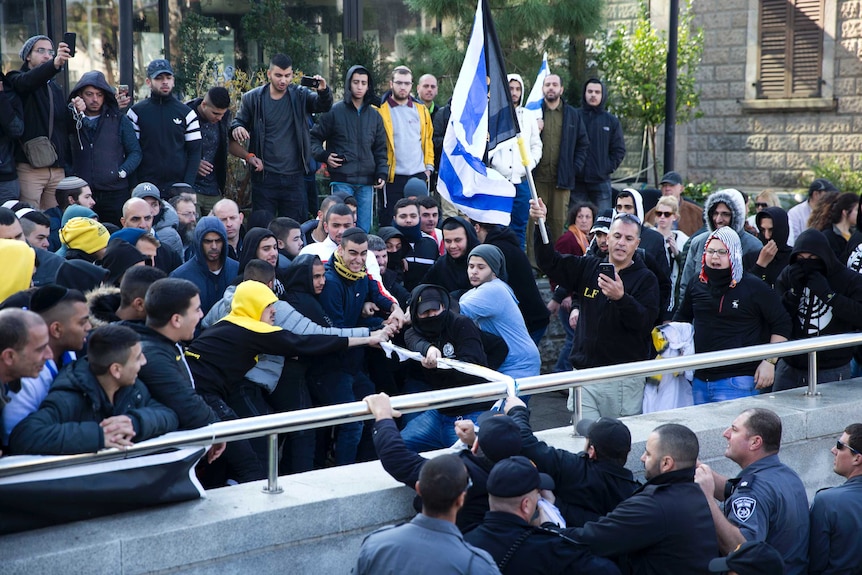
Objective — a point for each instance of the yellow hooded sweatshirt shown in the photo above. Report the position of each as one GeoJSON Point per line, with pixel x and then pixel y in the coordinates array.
{"type": "Point", "coordinates": [19, 261]}
{"type": "Point", "coordinates": [249, 301]}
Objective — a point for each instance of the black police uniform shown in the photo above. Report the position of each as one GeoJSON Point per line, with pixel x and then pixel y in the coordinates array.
{"type": "Point", "coordinates": [522, 549]}
{"type": "Point", "coordinates": [586, 489]}
{"type": "Point", "coordinates": [836, 521]}
{"type": "Point", "coordinates": [767, 502]}
{"type": "Point", "coordinates": [664, 528]}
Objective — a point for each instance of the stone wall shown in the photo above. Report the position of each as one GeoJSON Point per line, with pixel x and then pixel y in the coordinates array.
{"type": "Point", "coordinates": [756, 149]}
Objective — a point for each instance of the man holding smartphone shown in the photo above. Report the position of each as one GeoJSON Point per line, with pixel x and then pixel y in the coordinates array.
{"type": "Point", "coordinates": [106, 150]}
{"type": "Point", "coordinates": [619, 305]}
{"type": "Point", "coordinates": [272, 119]}
{"type": "Point", "coordinates": [38, 174]}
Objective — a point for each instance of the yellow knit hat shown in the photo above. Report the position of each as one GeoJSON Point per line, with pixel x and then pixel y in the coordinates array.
{"type": "Point", "coordinates": [85, 234]}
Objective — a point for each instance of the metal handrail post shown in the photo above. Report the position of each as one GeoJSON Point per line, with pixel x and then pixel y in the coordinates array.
{"type": "Point", "coordinates": [812, 374]}
{"type": "Point", "coordinates": [577, 408]}
{"type": "Point", "coordinates": [272, 477]}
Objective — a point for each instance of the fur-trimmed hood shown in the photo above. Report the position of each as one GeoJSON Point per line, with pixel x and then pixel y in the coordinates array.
{"type": "Point", "coordinates": [734, 200]}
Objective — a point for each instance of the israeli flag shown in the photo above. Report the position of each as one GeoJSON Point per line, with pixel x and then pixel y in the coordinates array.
{"type": "Point", "coordinates": [474, 188]}
{"type": "Point", "coordinates": [534, 101]}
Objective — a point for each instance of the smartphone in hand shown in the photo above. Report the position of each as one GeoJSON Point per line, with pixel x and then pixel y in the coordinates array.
{"type": "Point", "coordinates": [607, 269]}
{"type": "Point", "coordinates": [70, 38]}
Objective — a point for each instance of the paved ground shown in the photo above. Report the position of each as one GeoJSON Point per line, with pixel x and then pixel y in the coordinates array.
{"type": "Point", "coordinates": [548, 411]}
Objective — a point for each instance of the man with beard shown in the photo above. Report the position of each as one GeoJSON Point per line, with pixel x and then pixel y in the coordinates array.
{"type": "Point", "coordinates": [420, 251]}
{"type": "Point", "coordinates": [823, 298]}
{"type": "Point", "coordinates": [210, 269]}
{"type": "Point", "coordinates": [188, 217]}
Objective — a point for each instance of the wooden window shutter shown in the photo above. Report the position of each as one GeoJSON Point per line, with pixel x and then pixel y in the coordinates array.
{"type": "Point", "coordinates": [791, 48]}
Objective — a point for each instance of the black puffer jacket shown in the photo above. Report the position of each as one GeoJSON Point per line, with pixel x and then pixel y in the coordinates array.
{"type": "Point", "coordinates": [67, 422]}
{"type": "Point", "coordinates": [11, 128]}
{"type": "Point", "coordinates": [358, 135]}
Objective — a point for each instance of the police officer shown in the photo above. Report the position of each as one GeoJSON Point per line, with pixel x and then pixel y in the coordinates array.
{"type": "Point", "coordinates": [590, 484]}
{"type": "Point", "coordinates": [836, 513]}
{"type": "Point", "coordinates": [515, 487]}
{"type": "Point", "coordinates": [666, 526]}
{"type": "Point", "coordinates": [766, 501]}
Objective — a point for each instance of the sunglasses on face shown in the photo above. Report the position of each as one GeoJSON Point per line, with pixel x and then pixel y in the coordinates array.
{"type": "Point", "coordinates": [839, 445]}
{"type": "Point", "coordinates": [664, 214]}
{"type": "Point", "coordinates": [761, 205]}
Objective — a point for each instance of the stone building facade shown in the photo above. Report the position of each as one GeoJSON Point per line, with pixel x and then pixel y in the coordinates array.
{"type": "Point", "coordinates": [752, 136]}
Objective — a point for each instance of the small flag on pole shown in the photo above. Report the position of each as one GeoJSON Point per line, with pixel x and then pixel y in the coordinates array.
{"type": "Point", "coordinates": [534, 101]}
{"type": "Point", "coordinates": [482, 118]}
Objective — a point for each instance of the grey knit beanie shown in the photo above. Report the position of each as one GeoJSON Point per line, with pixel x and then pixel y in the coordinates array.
{"type": "Point", "coordinates": [28, 45]}
{"type": "Point", "coordinates": [493, 257]}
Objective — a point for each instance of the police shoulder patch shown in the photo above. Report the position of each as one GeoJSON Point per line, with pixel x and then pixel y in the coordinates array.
{"type": "Point", "coordinates": [743, 508]}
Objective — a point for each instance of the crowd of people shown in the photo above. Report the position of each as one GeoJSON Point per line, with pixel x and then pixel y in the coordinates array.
{"type": "Point", "coordinates": [139, 300]}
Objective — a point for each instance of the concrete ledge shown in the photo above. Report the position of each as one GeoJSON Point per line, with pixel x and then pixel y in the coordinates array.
{"type": "Point", "coordinates": [317, 524]}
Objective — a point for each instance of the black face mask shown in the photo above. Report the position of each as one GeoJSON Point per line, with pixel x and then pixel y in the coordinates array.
{"type": "Point", "coordinates": [432, 325]}
{"type": "Point", "coordinates": [718, 278]}
{"type": "Point", "coordinates": [809, 266]}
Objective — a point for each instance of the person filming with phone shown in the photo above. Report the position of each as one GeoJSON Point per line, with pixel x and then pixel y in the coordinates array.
{"type": "Point", "coordinates": [272, 119]}
{"type": "Point", "coordinates": [619, 305]}
{"type": "Point", "coordinates": [105, 149]}
{"type": "Point", "coordinates": [43, 150]}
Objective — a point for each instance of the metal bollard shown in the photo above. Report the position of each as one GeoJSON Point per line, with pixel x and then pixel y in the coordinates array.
{"type": "Point", "coordinates": [272, 480]}
{"type": "Point", "coordinates": [812, 375]}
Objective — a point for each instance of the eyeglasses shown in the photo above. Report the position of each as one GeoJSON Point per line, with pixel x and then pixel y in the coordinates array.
{"type": "Point", "coordinates": [720, 251]}
{"type": "Point", "coordinates": [839, 445]}
{"type": "Point", "coordinates": [664, 214]}
{"type": "Point", "coordinates": [45, 51]}
{"type": "Point", "coordinates": [761, 205]}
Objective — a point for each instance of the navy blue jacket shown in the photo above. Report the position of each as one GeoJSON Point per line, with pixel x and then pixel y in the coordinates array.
{"type": "Point", "coordinates": [664, 528]}
{"type": "Point", "coordinates": [67, 422]}
{"type": "Point", "coordinates": [342, 299]}
{"type": "Point", "coordinates": [220, 161]}
{"type": "Point", "coordinates": [195, 270]}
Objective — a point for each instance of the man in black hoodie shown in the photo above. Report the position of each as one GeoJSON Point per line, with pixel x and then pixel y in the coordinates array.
{"type": "Point", "coordinates": [105, 150]}
{"type": "Point", "coordinates": [450, 270]}
{"type": "Point", "coordinates": [606, 152]}
{"type": "Point", "coordinates": [823, 298]}
{"type": "Point", "coordinates": [774, 231]}
{"type": "Point", "coordinates": [355, 144]}
{"type": "Point", "coordinates": [214, 119]}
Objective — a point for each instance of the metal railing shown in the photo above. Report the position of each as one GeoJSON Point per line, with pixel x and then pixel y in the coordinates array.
{"type": "Point", "coordinates": [272, 425]}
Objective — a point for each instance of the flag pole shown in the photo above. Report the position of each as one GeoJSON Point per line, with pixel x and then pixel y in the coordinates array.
{"type": "Point", "coordinates": [526, 161]}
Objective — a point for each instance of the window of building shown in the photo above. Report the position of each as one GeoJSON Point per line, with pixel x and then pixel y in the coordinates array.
{"type": "Point", "coordinates": [19, 19]}
{"type": "Point", "coordinates": [791, 50]}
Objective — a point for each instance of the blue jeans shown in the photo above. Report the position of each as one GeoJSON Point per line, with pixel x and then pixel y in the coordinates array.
{"type": "Point", "coordinates": [564, 362]}
{"type": "Point", "coordinates": [599, 193]}
{"type": "Point", "coordinates": [433, 430]}
{"type": "Point", "coordinates": [333, 387]}
{"type": "Point", "coordinates": [722, 389]}
{"type": "Point", "coordinates": [280, 195]}
{"type": "Point", "coordinates": [364, 201]}
{"type": "Point", "coordinates": [521, 212]}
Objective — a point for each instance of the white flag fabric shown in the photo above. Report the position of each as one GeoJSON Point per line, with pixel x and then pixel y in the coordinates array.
{"type": "Point", "coordinates": [477, 190]}
{"type": "Point", "coordinates": [534, 101]}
